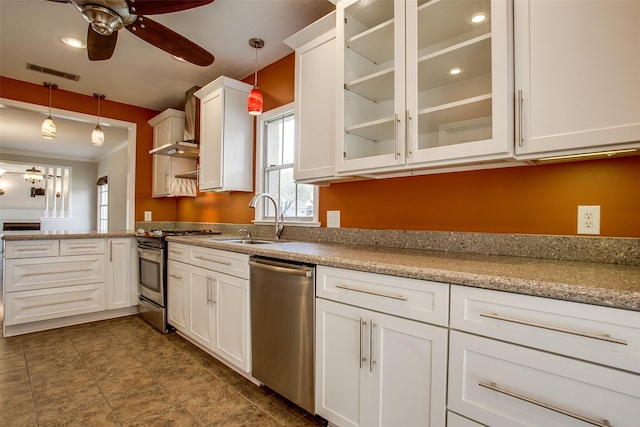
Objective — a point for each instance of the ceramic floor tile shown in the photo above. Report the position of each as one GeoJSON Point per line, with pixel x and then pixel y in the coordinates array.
{"type": "Point", "coordinates": [216, 403]}
{"type": "Point", "coordinates": [116, 383]}
{"type": "Point", "coordinates": [96, 343]}
{"type": "Point", "coordinates": [141, 402]}
{"type": "Point", "coordinates": [250, 416]}
{"type": "Point", "coordinates": [187, 387]}
{"type": "Point", "coordinates": [17, 395]}
{"type": "Point", "coordinates": [117, 356]}
{"type": "Point", "coordinates": [251, 391]}
{"type": "Point", "coordinates": [46, 339]}
{"type": "Point", "coordinates": [281, 409]}
{"type": "Point", "coordinates": [22, 415]}
{"type": "Point", "coordinates": [176, 415]}
{"type": "Point", "coordinates": [11, 347]}
{"type": "Point", "coordinates": [13, 363]}
{"type": "Point", "coordinates": [64, 386]}
{"type": "Point", "coordinates": [98, 413]}
{"type": "Point", "coordinates": [67, 406]}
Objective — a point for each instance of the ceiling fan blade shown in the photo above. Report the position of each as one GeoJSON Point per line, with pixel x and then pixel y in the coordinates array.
{"type": "Point", "coordinates": [156, 7]}
{"type": "Point", "coordinates": [170, 41]}
{"type": "Point", "coordinates": [100, 47]}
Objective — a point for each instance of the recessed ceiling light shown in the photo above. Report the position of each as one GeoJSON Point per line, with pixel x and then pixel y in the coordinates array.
{"type": "Point", "coordinates": [479, 18]}
{"type": "Point", "coordinates": [72, 42]}
{"type": "Point", "coordinates": [455, 71]}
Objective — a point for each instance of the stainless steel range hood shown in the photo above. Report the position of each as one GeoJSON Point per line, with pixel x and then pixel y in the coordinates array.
{"type": "Point", "coordinates": [189, 148]}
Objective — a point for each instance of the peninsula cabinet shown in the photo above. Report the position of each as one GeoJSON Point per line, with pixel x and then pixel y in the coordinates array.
{"type": "Point", "coordinates": [315, 100]}
{"type": "Point", "coordinates": [226, 136]}
{"type": "Point", "coordinates": [168, 128]}
{"type": "Point", "coordinates": [520, 360]}
{"type": "Point", "coordinates": [208, 301]}
{"type": "Point", "coordinates": [422, 85]}
{"type": "Point", "coordinates": [52, 283]}
{"type": "Point", "coordinates": [376, 368]}
{"type": "Point", "coordinates": [576, 77]}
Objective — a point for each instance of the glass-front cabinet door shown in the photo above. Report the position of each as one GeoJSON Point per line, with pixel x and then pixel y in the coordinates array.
{"type": "Point", "coordinates": [371, 101]}
{"type": "Point", "coordinates": [426, 83]}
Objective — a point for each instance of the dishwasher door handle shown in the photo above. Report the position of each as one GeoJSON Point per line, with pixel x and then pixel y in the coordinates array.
{"type": "Point", "coordinates": [282, 268]}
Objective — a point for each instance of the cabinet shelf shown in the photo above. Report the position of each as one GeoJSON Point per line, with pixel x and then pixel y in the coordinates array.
{"type": "Point", "coordinates": [375, 130]}
{"type": "Point", "coordinates": [375, 44]}
{"type": "Point", "coordinates": [376, 87]}
{"type": "Point", "coordinates": [440, 21]}
{"type": "Point", "coordinates": [370, 14]}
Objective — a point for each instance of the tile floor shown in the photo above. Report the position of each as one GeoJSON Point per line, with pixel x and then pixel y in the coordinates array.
{"type": "Point", "coordinates": [122, 372]}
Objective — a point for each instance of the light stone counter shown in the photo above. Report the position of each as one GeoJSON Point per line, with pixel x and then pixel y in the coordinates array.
{"type": "Point", "coordinates": [612, 285]}
{"type": "Point", "coordinates": [53, 235]}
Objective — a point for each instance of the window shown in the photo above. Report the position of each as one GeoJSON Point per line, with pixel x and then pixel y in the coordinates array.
{"type": "Point", "coordinates": [103, 204]}
{"type": "Point", "coordinates": [298, 202]}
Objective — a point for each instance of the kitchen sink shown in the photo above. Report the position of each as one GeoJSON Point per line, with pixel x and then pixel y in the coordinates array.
{"type": "Point", "coordinates": [250, 241]}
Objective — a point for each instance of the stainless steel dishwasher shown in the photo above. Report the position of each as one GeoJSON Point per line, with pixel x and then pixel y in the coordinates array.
{"type": "Point", "coordinates": [282, 328]}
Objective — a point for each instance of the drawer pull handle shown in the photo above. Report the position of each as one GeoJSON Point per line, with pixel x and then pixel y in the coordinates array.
{"type": "Point", "coordinates": [83, 247]}
{"type": "Point", "coordinates": [494, 387]}
{"type": "Point", "coordinates": [367, 291]}
{"type": "Point", "coordinates": [33, 249]}
{"type": "Point", "coordinates": [555, 328]}
{"type": "Point", "coordinates": [43, 273]}
{"type": "Point", "coordinates": [175, 276]}
{"type": "Point", "coordinates": [176, 252]}
{"type": "Point", "coordinates": [218, 261]}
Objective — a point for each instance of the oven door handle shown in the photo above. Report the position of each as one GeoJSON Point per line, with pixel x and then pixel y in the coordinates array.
{"type": "Point", "coordinates": [153, 255]}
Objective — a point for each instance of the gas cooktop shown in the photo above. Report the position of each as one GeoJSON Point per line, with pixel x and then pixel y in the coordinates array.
{"type": "Point", "coordinates": [174, 232]}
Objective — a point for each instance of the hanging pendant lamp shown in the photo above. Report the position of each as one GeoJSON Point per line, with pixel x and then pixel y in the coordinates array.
{"type": "Point", "coordinates": [255, 102]}
{"type": "Point", "coordinates": [48, 129]}
{"type": "Point", "coordinates": [97, 136]}
{"type": "Point", "coordinates": [33, 175]}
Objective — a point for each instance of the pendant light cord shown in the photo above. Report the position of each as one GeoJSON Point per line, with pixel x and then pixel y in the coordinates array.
{"type": "Point", "coordinates": [255, 79]}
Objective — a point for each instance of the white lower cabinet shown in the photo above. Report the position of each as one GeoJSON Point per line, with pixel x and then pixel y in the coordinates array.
{"type": "Point", "coordinates": [534, 361]}
{"type": "Point", "coordinates": [209, 306]}
{"type": "Point", "coordinates": [120, 260]}
{"type": "Point", "coordinates": [376, 369]}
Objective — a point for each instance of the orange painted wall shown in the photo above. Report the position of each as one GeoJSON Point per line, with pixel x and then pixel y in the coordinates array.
{"type": "Point", "coordinates": [163, 209]}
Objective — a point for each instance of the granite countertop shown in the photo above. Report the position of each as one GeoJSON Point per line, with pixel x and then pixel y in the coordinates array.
{"type": "Point", "coordinates": [612, 285]}
{"type": "Point", "coordinates": [51, 234]}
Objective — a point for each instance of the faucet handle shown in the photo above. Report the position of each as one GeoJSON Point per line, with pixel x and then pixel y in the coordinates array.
{"type": "Point", "coordinates": [246, 231]}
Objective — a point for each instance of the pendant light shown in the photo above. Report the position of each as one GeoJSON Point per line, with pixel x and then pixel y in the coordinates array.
{"type": "Point", "coordinates": [97, 136]}
{"type": "Point", "coordinates": [48, 129]}
{"type": "Point", "coordinates": [254, 103]}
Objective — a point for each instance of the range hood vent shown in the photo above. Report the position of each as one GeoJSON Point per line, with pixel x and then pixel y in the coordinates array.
{"type": "Point", "coordinates": [190, 147]}
{"type": "Point", "coordinates": [184, 149]}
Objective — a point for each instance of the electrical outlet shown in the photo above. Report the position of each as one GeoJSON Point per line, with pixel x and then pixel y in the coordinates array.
{"type": "Point", "coordinates": [333, 219]}
{"type": "Point", "coordinates": [589, 220]}
{"type": "Point", "coordinates": [147, 215]}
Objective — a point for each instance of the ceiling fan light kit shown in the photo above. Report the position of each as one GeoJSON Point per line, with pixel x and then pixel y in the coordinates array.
{"type": "Point", "coordinates": [107, 17]}
{"type": "Point", "coordinates": [255, 102]}
{"type": "Point", "coordinates": [48, 129]}
{"type": "Point", "coordinates": [97, 136]}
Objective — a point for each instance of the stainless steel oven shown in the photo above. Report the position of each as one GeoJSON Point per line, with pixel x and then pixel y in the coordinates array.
{"type": "Point", "coordinates": [152, 289]}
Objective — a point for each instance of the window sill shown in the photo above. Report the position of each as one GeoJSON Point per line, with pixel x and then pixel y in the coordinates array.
{"type": "Point", "coordinates": [289, 223]}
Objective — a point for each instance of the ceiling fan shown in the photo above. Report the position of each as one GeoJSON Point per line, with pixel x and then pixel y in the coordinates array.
{"type": "Point", "coordinates": [107, 17]}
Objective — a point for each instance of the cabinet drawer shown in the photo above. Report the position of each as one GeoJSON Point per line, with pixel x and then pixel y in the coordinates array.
{"type": "Point", "coordinates": [231, 263]}
{"type": "Point", "coordinates": [31, 248]}
{"type": "Point", "coordinates": [178, 252]}
{"type": "Point", "coordinates": [82, 246]}
{"type": "Point", "coordinates": [31, 273]}
{"type": "Point", "coordinates": [501, 384]}
{"type": "Point", "coordinates": [455, 420]}
{"type": "Point", "coordinates": [32, 306]}
{"type": "Point", "coordinates": [414, 299]}
{"type": "Point", "coordinates": [600, 334]}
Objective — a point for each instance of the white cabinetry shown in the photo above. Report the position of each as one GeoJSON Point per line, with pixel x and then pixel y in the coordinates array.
{"type": "Point", "coordinates": [52, 283]}
{"type": "Point", "coordinates": [374, 368]}
{"type": "Point", "coordinates": [576, 76]}
{"type": "Point", "coordinates": [399, 107]}
{"type": "Point", "coordinates": [315, 101]}
{"type": "Point", "coordinates": [120, 278]}
{"type": "Point", "coordinates": [226, 136]}
{"type": "Point", "coordinates": [518, 372]}
{"type": "Point", "coordinates": [168, 128]}
{"type": "Point", "coordinates": [208, 300]}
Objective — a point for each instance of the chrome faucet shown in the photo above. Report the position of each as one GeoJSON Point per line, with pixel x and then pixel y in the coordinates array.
{"type": "Point", "coordinates": [279, 218]}
{"type": "Point", "coordinates": [247, 233]}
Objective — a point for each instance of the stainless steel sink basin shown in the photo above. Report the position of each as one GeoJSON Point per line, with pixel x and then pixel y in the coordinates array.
{"type": "Point", "coordinates": [250, 241]}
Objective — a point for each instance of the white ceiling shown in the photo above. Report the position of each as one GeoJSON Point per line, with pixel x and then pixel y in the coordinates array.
{"type": "Point", "coordinates": [138, 73]}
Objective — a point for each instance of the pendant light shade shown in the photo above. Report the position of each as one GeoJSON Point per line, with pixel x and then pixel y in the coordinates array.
{"type": "Point", "coordinates": [97, 136]}
{"type": "Point", "coordinates": [48, 129]}
{"type": "Point", "coordinates": [255, 102]}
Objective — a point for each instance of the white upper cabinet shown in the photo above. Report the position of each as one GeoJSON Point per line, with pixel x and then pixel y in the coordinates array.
{"type": "Point", "coordinates": [168, 128]}
{"type": "Point", "coordinates": [226, 136]}
{"type": "Point", "coordinates": [577, 72]}
{"type": "Point", "coordinates": [315, 100]}
{"type": "Point", "coordinates": [400, 105]}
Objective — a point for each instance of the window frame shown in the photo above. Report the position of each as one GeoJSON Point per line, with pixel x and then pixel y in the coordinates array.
{"type": "Point", "coordinates": [261, 153]}
{"type": "Point", "coordinates": [99, 190]}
